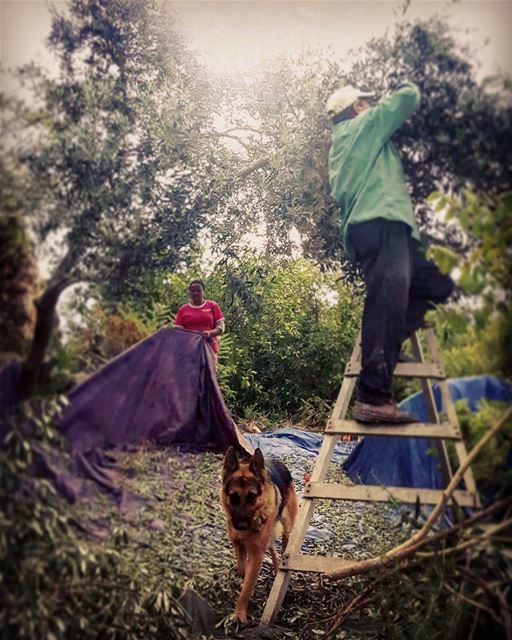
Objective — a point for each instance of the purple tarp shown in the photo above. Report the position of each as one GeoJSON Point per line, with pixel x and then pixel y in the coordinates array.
{"type": "Point", "coordinates": [163, 390]}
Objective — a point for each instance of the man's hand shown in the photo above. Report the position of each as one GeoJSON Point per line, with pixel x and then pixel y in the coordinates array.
{"type": "Point", "coordinates": [391, 80]}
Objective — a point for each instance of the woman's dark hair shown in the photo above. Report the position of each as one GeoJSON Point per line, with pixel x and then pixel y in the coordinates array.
{"type": "Point", "coordinates": [200, 282]}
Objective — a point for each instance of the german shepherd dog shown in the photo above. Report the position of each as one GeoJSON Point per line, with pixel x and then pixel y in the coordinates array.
{"type": "Point", "coordinates": [255, 497]}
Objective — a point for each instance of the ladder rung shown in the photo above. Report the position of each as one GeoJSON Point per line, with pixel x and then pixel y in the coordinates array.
{"type": "Point", "coordinates": [445, 431]}
{"type": "Point", "coordinates": [431, 370]}
{"type": "Point", "coordinates": [317, 564]}
{"type": "Point", "coordinates": [427, 372]}
{"type": "Point", "coordinates": [376, 493]}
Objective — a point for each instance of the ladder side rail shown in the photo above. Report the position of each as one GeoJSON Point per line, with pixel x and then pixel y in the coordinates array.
{"type": "Point", "coordinates": [449, 407]}
{"type": "Point", "coordinates": [307, 507]}
{"type": "Point", "coordinates": [282, 579]}
{"type": "Point", "coordinates": [433, 414]}
{"type": "Point", "coordinates": [345, 394]}
{"type": "Point", "coordinates": [292, 559]}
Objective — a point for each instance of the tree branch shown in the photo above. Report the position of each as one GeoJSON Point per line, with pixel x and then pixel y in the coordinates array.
{"type": "Point", "coordinates": [45, 323]}
{"type": "Point", "coordinates": [295, 114]}
{"type": "Point", "coordinates": [254, 166]}
{"type": "Point", "coordinates": [468, 543]}
{"type": "Point", "coordinates": [355, 603]}
{"type": "Point", "coordinates": [231, 137]}
{"type": "Point", "coordinates": [263, 161]}
{"type": "Point", "coordinates": [241, 129]}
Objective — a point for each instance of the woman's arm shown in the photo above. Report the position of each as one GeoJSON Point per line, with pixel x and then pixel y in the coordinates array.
{"type": "Point", "coordinates": [219, 329]}
{"type": "Point", "coordinates": [218, 318]}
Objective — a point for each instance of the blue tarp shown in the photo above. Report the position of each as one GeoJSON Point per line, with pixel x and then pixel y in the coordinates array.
{"type": "Point", "coordinates": [299, 448]}
{"type": "Point", "coordinates": [378, 460]}
{"type": "Point", "coordinates": [398, 462]}
{"type": "Point", "coordinates": [290, 442]}
{"type": "Point", "coordinates": [408, 462]}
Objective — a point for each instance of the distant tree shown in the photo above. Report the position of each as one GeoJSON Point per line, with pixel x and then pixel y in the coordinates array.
{"type": "Point", "coordinates": [461, 136]}
{"type": "Point", "coordinates": [19, 277]}
{"type": "Point", "coordinates": [117, 166]}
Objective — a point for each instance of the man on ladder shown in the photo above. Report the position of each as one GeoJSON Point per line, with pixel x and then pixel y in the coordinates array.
{"type": "Point", "coordinates": [381, 236]}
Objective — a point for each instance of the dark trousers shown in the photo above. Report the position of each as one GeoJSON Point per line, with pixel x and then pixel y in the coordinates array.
{"type": "Point", "coordinates": [401, 285]}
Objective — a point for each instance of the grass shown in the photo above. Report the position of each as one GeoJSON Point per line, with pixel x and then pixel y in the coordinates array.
{"type": "Point", "coordinates": [178, 535]}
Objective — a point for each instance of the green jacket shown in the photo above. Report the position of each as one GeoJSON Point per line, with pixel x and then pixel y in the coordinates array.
{"type": "Point", "coordinates": [365, 172]}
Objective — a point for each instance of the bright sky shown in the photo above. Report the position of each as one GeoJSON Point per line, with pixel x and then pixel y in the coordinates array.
{"type": "Point", "coordinates": [234, 35]}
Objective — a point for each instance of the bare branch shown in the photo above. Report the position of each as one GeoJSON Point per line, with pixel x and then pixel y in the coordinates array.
{"type": "Point", "coordinates": [361, 598]}
{"type": "Point", "coordinates": [473, 603]}
{"type": "Point", "coordinates": [468, 543]}
{"type": "Point", "coordinates": [292, 109]}
{"type": "Point", "coordinates": [457, 477]}
{"type": "Point", "coordinates": [254, 166]}
{"type": "Point", "coordinates": [231, 137]}
{"type": "Point", "coordinates": [252, 129]}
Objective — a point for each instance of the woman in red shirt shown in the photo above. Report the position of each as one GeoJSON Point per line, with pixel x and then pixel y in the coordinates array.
{"type": "Point", "coordinates": [201, 315]}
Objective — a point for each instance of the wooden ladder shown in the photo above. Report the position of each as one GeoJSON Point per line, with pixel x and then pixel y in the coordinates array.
{"type": "Point", "coordinates": [337, 425]}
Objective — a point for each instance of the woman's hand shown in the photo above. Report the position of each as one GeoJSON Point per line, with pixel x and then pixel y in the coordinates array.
{"type": "Point", "coordinates": [206, 334]}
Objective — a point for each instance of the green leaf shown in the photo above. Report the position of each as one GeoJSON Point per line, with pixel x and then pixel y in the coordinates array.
{"type": "Point", "coordinates": [445, 259]}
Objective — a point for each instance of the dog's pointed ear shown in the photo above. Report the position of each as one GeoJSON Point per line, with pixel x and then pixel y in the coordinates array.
{"type": "Point", "coordinates": [257, 464]}
{"type": "Point", "coordinates": [231, 462]}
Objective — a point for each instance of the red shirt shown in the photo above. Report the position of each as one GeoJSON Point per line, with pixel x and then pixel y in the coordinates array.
{"type": "Point", "coordinates": [202, 318]}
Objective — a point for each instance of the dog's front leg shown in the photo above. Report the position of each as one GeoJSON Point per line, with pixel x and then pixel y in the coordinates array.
{"type": "Point", "coordinates": [252, 569]}
{"type": "Point", "coordinates": [241, 556]}
{"type": "Point", "coordinates": [275, 557]}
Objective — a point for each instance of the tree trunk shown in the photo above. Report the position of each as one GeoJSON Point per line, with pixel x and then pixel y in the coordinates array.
{"type": "Point", "coordinates": [45, 322]}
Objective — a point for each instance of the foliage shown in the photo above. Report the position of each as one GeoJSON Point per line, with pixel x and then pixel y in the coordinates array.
{"type": "Point", "coordinates": [415, 604]}
{"type": "Point", "coordinates": [487, 221]}
{"type": "Point", "coordinates": [460, 136]}
{"type": "Point", "coordinates": [479, 331]}
{"type": "Point", "coordinates": [468, 350]}
{"type": "Point", "coordinates": [226, 367]}
{"type": "Point", "coordinates": [54, 585]}
{"type": "Point", "coordinates": [314, 412]}
{"type": "Point", "coordinates": [103, 336]}
{"type": "Point", "coordinates": [492, 469]}
{"type": "Point", "coordinates": [292, 330]}
{"type": "Point", "coordinates": [114, 170]}
{"type": "Point", "coordinates": [18, 271]}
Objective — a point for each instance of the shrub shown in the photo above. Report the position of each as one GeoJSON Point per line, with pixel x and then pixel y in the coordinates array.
{"type": "Point", "coordinates": [54, 585]}
{"type": "Point", "coordinates": [491, 469]}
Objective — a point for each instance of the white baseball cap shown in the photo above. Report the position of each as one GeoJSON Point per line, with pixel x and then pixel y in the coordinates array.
{"type": "Point", "coordinates": [343, 98]}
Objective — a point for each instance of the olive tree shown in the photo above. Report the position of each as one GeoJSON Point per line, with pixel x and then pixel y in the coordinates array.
{"type": "Point", "coordinates": [114, 152]}
{"type": "Point", "coordinates": [460, 137]}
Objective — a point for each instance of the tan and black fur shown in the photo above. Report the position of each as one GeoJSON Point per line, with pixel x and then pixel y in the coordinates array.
{"type": "Point", "coordinates": [255, 497]}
